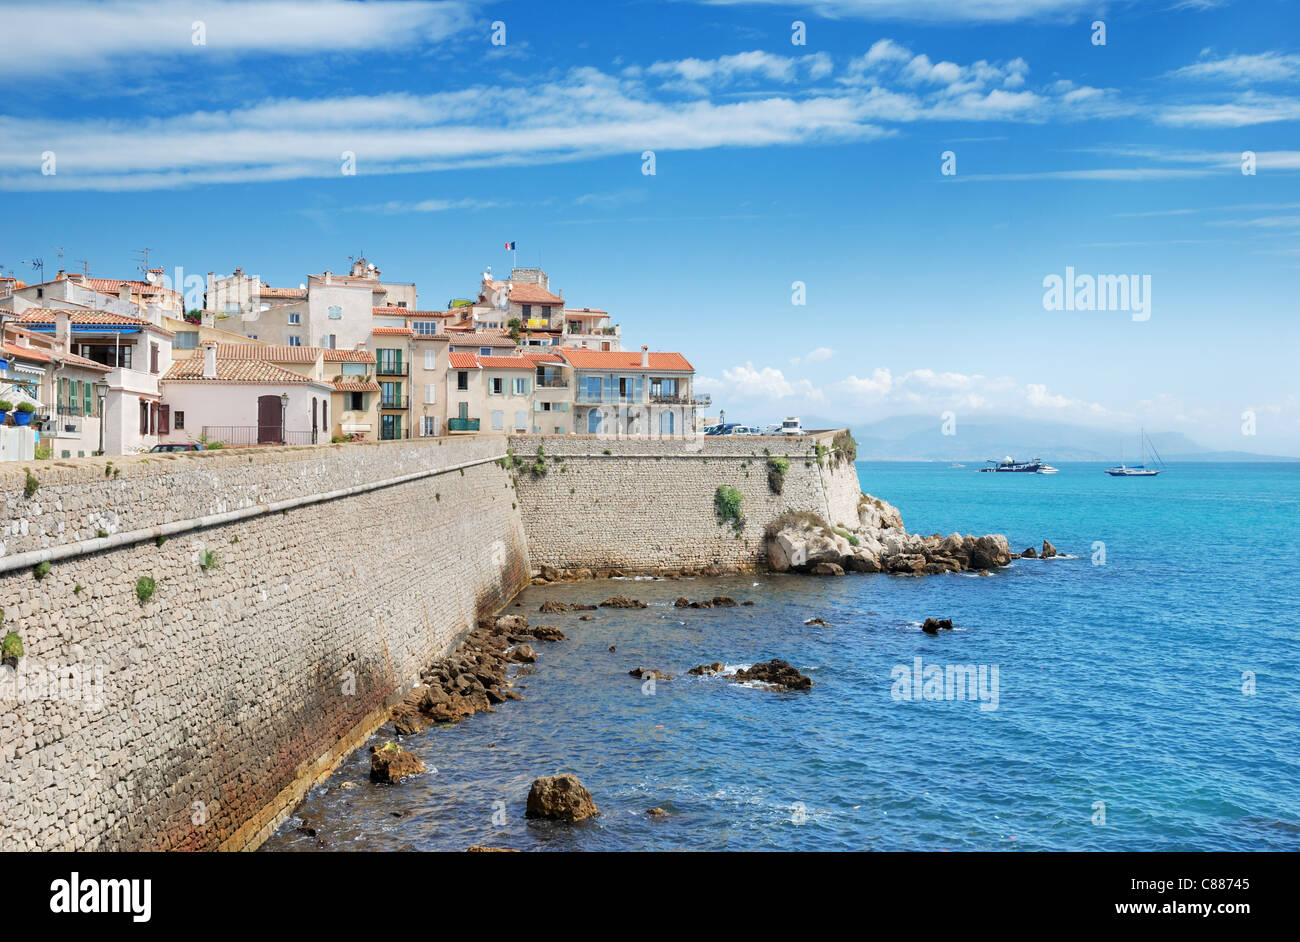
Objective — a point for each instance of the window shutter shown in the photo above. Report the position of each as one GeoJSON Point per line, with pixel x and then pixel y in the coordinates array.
{"type": "Point", "coordinates": [164, 419]}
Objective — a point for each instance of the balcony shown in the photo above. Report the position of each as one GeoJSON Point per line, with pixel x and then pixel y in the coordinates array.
{"type": "Point", "coordinates": [395, 402]}
{"type": "Point", "coordinates": [552, 384]}
{"type": "Point", "coordinates": [393, 368]}
{"type": "Point", "coordinates": [61, 426]}
{"type": "Point", "coordinates": [462, 425]}
{"type": "Point", "coordinates": [681, 400]}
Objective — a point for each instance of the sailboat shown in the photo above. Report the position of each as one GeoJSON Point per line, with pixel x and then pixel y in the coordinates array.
{"type": "Point", "coordinates": [1139, 470]}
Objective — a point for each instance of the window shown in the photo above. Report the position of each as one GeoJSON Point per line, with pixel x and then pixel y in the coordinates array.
{"type": "Point", "coordinates": [425, 328]}
{"type": "Point", "coordinates": [392, 396]}
{"type": "Point", "coordinates": [335, 312]}
{"type": "Point", "coordinates": [87, 399]}
{"type": "Point", "coordinates": [498, 420]}
{"type": "Point", "coordinates": [295, 340]}
{"type": "Point", "coordinates": [179, 418]}
{"type": "Point", "coordinates": [521, 386]}
{"type": "Point", "coordinates": [485, 351]}
{"type": "Point", "coordinates": [328, 341]}
{"type": "Point", "coordinates": [252, 336]}
{"type": "Point", "coordinates": [429, 392]}
{"type": "Point", "coordinates": [430, 359]}
{"type": "Point", "coordinates": [591, 387]}
{"type": "Point", "coordinates": [497, 386]}
{"type": "Point", "coordinates": [144, 417]}
{"type": "Point", "coordinates": [390, 361]}
{"type": "Point", "coordinates": [528, 310]}
{"type": "Point", "coordinates": [430, 424]}
{"type": "Point", "coordinates": [546, 310]}
{"type": "Point", "coordinates": [401, 304]}
{"type": "Point", "coordinates": [355, 402]}
{"type": "Point", "coordinates": [186, 340]}
{"type": "Point", "coordinates": [665, 423]}
{"type": "Point", "coordinates": [153, 358]}
{"type": "Point", "coordinates": [462, 379]}
{"type": "Point", "coordinates": [521, 421]}
{"type": "Point", "coordinates": [295, 318]}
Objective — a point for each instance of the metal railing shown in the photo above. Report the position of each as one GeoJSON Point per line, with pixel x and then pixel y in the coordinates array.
{"type": "Point", "coordinates": [681, 400]}
{"type": "Point", "coordinates": [392, 368]}
{"type": "Point", "coordinates": [242, 435]}
{"type": "Point", "coordinates": [462, 425]}
{"type": "Point", "coordinates": [395, 402]}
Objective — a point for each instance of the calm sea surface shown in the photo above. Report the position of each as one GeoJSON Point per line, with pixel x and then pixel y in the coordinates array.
{"type": "Point", "coordinates": [1119, 683]}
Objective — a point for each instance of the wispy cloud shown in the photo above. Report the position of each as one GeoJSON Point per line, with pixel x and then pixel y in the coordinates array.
{"type": "Point", "coordinates": [1244, 69]}
{"type": "Point", "coordinates": [81, 36]}
{"type": "Point", "coordinates": [929, 11]}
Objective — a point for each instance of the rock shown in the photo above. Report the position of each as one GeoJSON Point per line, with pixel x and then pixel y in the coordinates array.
{"type": "Point", "coordinates": [706, 603]}
{"type": "Point", "coordinates": [1048, 550]}
{"type": "Point", "coordinates": [622, 601]}
{"type": "Point", "coordinates": [549, 573]}
{"type": "Point", "coordinates": [548, 633]}
{"type": "Point", "coordinates": [876, 514]}
{"type": "Point", "coordinates": [1030, 553]}
{"type": "Point", "coordinates": [777, 672]}
{"type": "Point", "coordinates": [509, 624]}
{"type": "Point", "coordinates": [682, 602]}
{"type": "Point", "coordinates": [989, 552]}
{"type": "Point", "coordinates": [647, 672]}
{"type": "Point", "coordinates": [933, 626]}
{"type": "Point", "coordinates": [391, 763]}
{"type": "Point", "coordinates": [551, 606]}
{"type": "Point", "coordinates": [611, 649]}
{"type": "Point", "coordinates": [706, 670]}
{"type": "Point", "coordinates": [480, 849]}
{"type": "Point", "coordinates": [828, 569]}
{"type": "Point", "coordinates": [584, 618]}
{"type": "Point", "coordinates": [523, 654]}
{"type": "Point", "coordinates": [818, 622]}
{"type": "Point", "coordinates": [657, 813]}
{"type": "Point", "coordinates": [747, 602]}
{"type": "Point", "coordinates": [713, 569]}
{"type": "Point", "coordinates": [786, 550]}
{"type": "Point", "coordinates": [560, 798]}
{"type": "Point", "coordinates": [906, 563]}
{"type": "Point", "coordinates": [724, 601]}
{"type": "Point", "coordinates": [862, 560]}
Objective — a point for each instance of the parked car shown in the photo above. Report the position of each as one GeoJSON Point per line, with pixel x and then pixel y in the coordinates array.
{"type": "Point", "coordinates": [177, 446]}
{"type": "Point", "coordinates": [721, 429]}
{"type": "Point", "coordinates": [791, 426]}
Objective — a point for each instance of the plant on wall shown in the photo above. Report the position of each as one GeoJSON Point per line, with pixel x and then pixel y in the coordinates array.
{"type": "Point", "coordinates": [726, 502]}
{"type": "Point", "coordinates": [144, 589]}
{"type": "Point", "coordinates": [11, 649]}
{"type": "Point", "coordinates": [776, 471]}
{"type": "Point", "coordinates": [209, 559]}
{"type": "Point", "coordinates": [33, 482]}
{"type": "Point", "coordinates": [42, 569]}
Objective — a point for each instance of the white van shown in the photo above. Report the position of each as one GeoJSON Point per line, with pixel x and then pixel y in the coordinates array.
{"type": "Point", "coordinates": [791, 426]}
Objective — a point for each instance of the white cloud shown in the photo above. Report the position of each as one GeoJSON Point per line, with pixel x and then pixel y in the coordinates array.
{"type": "Point", "coordinates": [1244, 69]}
{"type": "Point", "coordinates": [747, 383]}
{"type": "Point", "coordinates": [930, 11]}
{"type": "Point", "coordinates": [82, 36]}
{"type": "Point", "coordinates": [1246, 109]}
{"type": "Point", "coordinates": [817, 355]}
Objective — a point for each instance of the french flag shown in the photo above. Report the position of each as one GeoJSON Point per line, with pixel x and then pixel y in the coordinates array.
{"type": "Point", "coordinates": [510, 246]}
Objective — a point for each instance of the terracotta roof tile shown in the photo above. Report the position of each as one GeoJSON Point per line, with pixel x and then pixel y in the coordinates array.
{"type": "Point", "coordinates": [348, 385]}
{"type": "Point", "coordinates": [233, 371]}
{"type": "Point", "coordinates": [506, 363]}
{"type": "Point", "coordinates": [45, 356]}
{"type": "Point", "coordinates": [525, 292]}
{"type": "Point", "coordinates": [82, 316]}
{"type": "Point", "coordinates": [348, 356]}
{"type": "Point", "coordinates": [625, 360]}
{"type": "Point", "coordinates": [387, 331]}
{"type": "Point", "coordinates": [462, 361]}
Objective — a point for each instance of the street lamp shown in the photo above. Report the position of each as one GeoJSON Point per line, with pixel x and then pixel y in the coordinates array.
{"type": "Point", "coordinates": [284, 406]}
{"type": "Point", "coordinates": [101, 394]}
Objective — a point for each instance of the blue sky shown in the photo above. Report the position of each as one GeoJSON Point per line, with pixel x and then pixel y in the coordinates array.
{"type": "Point", "coordinates": [775, 163]}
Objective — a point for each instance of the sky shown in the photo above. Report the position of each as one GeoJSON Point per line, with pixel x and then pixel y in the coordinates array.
{"type": "Point", "coordinates": [856, 208]}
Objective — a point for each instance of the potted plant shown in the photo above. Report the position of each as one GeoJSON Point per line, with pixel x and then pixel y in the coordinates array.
{"type": "Point", "coordinates": [5, 406]}
{"type": "Point", "coordinates": [24, 414]}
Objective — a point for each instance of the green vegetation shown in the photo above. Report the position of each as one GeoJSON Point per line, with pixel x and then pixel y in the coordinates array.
{"type": "Point", "coordinates": [726, 502]}
{"type": "Point", "coordinates": [26, 407]}
{"type": "Point", "coordinates": [776, 471]}
{"type": "Point", "coordinates": [608, 452]}
{"type": "Point", "coordinates": [853, 540]}
{"type": "Point", "coordinates": [101, 534]}
{"type": "Point", "coordinates": [78, 588]}
{"type": "Point", "coordinates": [6, 405]}
{"type": "Point", "coordinates": [160, 539]}
{"type": "Point", "coordinates": [11, 649]}
{"type": "Point", "coordinates": [144, 589]}
{"type": "Point", "coordinates": [844, 447]}
{"type": "Point", "coordinates": [33, 482]}
{"type": "Point", "coordinates": [209, 559]}
{"type": "Point", "coordinates": [514, 324]}
{"type": "Point", "coordinates": [208, 443]}
{"type": "Point", "coordinates": [44, 451]}
{"type": "Point", "coordinates": [41, 570]}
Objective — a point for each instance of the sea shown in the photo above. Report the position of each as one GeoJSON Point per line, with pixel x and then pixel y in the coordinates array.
{"type": "Point", "coordinates": [1140, 691]}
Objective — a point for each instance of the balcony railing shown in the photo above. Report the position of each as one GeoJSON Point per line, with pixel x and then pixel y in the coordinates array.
{"type": "Point", "coordinates": [552, 384]}
{"type": "Point", "coordinates": [393, 368]}
{"type": "Point", "coordinates": [395, 402]}
{"type": "Point", "coordinates": [606, 399]}
{"type": "Point", "coordinates": [234, 435]}
{"type": "Point", "coordinates": [704, 400]}
{"type": "Point", "coordinates": [62, 426]}
{"type": "Point", "coordinates": [462, 425]}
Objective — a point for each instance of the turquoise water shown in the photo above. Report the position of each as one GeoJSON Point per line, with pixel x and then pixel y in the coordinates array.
{"type": "Point", "coordinates": [1118, 683]}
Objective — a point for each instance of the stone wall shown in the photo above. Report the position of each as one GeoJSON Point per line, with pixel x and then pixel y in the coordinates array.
{"type": "Point", "coordinates": [196, 719]}
{"type": "Point", "coordinates": [649, 505]}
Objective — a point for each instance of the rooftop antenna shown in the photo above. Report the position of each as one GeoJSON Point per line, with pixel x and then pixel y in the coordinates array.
{"type": "Point", "coordinates": [61, 251]}
{"type": "Point", "coordinates": [36, 263]}
{"type": "Point", "coordinates": [144, 262]}
{"type": "Point", "coordinates": [85, 266]}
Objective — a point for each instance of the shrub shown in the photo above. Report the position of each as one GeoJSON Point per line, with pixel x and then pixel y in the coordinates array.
{"type": "Point", "coordinates": [26, 407]}
{"type": "Point", "coordinates": [6, 405]}
{"type": "Point", "coordinates": [844, 447]}
{"type": "Point", "coordinates": [726, 502]}
{"type": "Point", "coordinates": [608, 452]}
{"type": "Point", "coordinates": [160, 540]}
{"type": "Point", "coordinates": [11, 649]}
{"type": "Point", "coordinates": [42, 569]}
{"type": "Point", "coordinates": [101, 534]}
{"type": "Point", "coordinates": [44, 451]}
{"type": "Point", "coordinates": [33, 482]}
{"type": "Point", "coordinates": [776, 470]}
{"type": "Point", "coordinates": [144, 588]}
{"type": "Point", "coordinates": [208, 559]}
{"type": "Point", "coordinates": [853, 540]}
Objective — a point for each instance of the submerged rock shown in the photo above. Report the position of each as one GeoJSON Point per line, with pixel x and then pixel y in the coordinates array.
{"type": "Point", "coordinates": [818, 622]}
{"type": "Point", "coordinates": [548, 633]}
{"type": "Point", "coordinates": [828, 569]}
{"type": "Point", "coordinates": [645, 672]}
{"type": "Point", "coordinates": [561, 798]}
{"type": "Point", "coordinates": [707, 670]}
{"type": "Point", "coordinates": [523, 654]}
{"type": "Point", "coordinates": [391, 763]}
{"type": "Point", "coordinates": [933, 626]}
{"type": "Point", "coordinates": [777, 672]}
{"type": "Point", "coordinates": [480, 849]}
{"type": "Point", "coordinates": [551, 606]}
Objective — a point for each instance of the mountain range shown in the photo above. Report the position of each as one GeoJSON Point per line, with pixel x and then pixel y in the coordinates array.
{"type": "Point", "coordinates": [920, 438]}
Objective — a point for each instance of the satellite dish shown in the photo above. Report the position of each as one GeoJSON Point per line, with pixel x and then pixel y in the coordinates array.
{"type": "Point", "coordinates": [301, 286]}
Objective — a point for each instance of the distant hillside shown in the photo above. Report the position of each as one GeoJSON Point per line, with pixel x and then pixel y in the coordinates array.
{"type": "Point", "coordinates": [920, 438]}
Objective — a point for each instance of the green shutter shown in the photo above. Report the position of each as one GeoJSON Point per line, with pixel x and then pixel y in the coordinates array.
{"type": "Point", "coordinates": [88, 398]}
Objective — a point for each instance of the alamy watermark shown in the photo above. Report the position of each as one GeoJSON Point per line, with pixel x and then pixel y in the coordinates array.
{"type": "Point", "coordinates": [921, 681]}
{"type": "Point", "coordinates": [1098, 293]}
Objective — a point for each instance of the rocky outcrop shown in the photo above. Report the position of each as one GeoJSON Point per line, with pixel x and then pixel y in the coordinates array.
{"type": "Point", "coordinates": [391, 763]}
{"type": "Point", "coordinates": [778, 673]}
{"type": "Point", "coordinates": [645, 673]}
{"type": "Point", "coordinates": [1029, 553]}
{"type": "Point", "coordinates": [933, 626]}
{"type": "Point", "coordinates": [622, 601]}
{"type": "Point", "coordinates": [804, 542]}
{"type": "Point", "coordinates": [817, 622]}
{"type": "Point", "coordinates": [560, 798]}
{"type": "Point", "coordinates": [1048, 550]}
{"type": "Point", "coordinates": [718, 601]}
{"type": "Point", "coordinates": [708, 670]}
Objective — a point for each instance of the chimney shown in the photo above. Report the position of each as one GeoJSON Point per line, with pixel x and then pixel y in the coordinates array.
{"type": "Point", "coordinates": [645, 356]}
{"type": "Point", "coordinates": [63, 331]}
{"type": "Point", "coordinates": [209, 359]}
{"type": "Point", "coordinates": [124, 292]}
